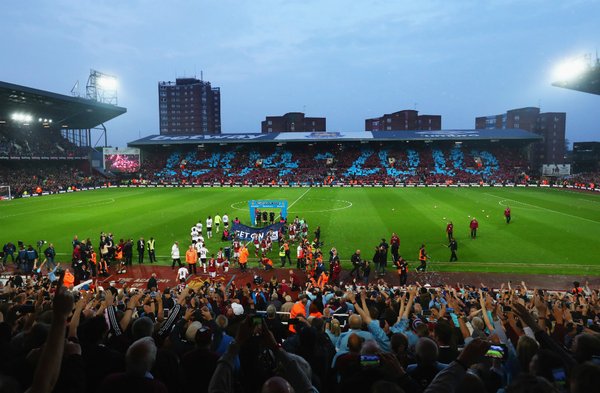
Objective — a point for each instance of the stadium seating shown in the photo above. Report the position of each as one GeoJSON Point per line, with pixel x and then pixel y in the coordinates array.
{"type": "Point", "coordinates": [42, 144]}
{"type": "Point", "coordinates": [270, 164]}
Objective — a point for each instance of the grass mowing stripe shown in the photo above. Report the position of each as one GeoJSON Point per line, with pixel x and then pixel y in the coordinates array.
{"type": "Point", "coordinates": [543, 208]}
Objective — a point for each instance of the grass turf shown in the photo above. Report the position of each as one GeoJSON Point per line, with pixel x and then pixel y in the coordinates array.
{"type": "Point", "coordinates": [552, 231]}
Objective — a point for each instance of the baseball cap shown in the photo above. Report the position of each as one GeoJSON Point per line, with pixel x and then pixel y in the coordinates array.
{"type": "Point", "coordinates": [190, 333]}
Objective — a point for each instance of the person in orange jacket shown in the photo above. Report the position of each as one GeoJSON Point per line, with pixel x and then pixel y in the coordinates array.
{"type": "Point", "coordinates": [323, 279]}
{"type": "Point", "coordinates": [191, 258]}
{"type": "Point", "coordinates": [298, 311]}
{"type": "Point", "coordinates": [69, 279]}
{"type": "Point", "coordinates": [243, 257]}
{"type": "Point", "coordinates": [267, 263]}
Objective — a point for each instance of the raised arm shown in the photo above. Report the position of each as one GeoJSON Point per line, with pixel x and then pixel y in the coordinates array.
{"type": "Point", "coordinates": [131, 305]}
{"type": "Point", "coordinates": [74, 324]}
{"type": "Point", "coordinates": [486, 317]}
{"type": "Point", "coordinates": [48, 366]}
{"type": "Point", "coordinates": [412, 291]}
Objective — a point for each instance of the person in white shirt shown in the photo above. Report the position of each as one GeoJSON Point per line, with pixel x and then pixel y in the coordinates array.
{"type": "Point", "coordinates": [175, 255]}
{"type": "Point", "coordinates": [202, 253]}
{"type": "Point", "coordinates": [274, 236]}
{"type": "Point", "coordinates": [209, 223]}
{"type": "Point", "coordinates": [194, 234]}
{"type": "Point", "coordinates": [199, 226]}
{"type": "Point", "coordinates": [182, 274]}
{"type": "Point", "coordinates": [225, 219]}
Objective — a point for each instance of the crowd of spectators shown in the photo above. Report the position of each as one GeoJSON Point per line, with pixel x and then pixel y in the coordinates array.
{"type": "Point", "coordinates": [36, 178]}
{"type": "Point", "coordinates": [324, 164]}
{"type": "Point", "coordinates": [270, 337]}
{"type": "Point", "coordinates": [37, 142]}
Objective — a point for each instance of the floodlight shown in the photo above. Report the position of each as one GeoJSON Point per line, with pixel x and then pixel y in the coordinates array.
{"type": "Point", "coordinates": [107, 82]}
{"type": "Point", "coordinates": [40, 120]}
{"type": "Point", "coordinates": [570, 69]}
{"type": "Point", "coordinates": [102, 87]}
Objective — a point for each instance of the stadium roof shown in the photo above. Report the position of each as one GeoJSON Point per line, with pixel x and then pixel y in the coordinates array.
{"type": "Point", "coordinates": [366, 136]}
{"type": "Point", "coordinates": [587, 82]}
{"type": "Point", "coordinates": [65, 111]}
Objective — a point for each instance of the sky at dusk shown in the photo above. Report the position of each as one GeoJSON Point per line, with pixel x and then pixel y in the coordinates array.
{"type": "Point", "coordinates": [344, 60]}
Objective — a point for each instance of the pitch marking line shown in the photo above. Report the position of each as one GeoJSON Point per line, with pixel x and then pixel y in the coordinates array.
{"type": "Point", "coordinates": [300, 197]}
{"type": "Point", "coordinates": [542, 208]}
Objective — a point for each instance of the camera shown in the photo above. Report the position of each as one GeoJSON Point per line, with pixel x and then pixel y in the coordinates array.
{"type": "Point", "coordinates": [40, 243]}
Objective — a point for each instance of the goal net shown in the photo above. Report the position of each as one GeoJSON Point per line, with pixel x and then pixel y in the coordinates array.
{"type": "Point", "coordinates": [5, 193]}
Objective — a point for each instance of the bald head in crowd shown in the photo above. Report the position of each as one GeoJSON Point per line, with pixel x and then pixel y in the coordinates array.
{"type": "Point", "coordinates": [354, 343]}
{"type": "Point", "coordinates": [277, 385]}
{"type": "Point", "coordinates": [355, 321]}
{"type": "Point", "coordinates": [140, 356]}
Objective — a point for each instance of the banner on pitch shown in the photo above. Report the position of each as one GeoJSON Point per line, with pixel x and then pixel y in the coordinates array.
{"type": "Point", "coordinates": [244, 232]}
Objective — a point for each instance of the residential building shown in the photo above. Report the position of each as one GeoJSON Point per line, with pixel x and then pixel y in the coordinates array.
{"type": "Point", "coordinates": [551, 126]}
{"type": "Point", "coordinates": [404, 120]}
{"type": "Point", "coordinates": [189, 106]}
{"type": "Point", "coordinates": [293, 122]}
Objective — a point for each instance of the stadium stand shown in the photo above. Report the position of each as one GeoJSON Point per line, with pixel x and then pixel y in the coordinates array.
{"type": "Point", "coordinates": [270, 164]}
{"type": "Point", "coordinates": [16, 143]}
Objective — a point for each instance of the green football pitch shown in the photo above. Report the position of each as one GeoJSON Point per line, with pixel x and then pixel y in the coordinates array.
{"type": "Point", "coordinates": [552, 231]}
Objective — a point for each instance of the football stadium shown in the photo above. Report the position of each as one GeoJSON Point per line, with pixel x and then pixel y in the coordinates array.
{"type": "Point", "coordinates": [405, 257]}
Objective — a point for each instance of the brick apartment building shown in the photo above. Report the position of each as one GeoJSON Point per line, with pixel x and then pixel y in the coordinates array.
{"type": "Point", "coordinates": [293, 122]}
{"type": "Point", "coordinates": [551, 126]}
{"type": "Point", "coordinates": [404, 120]}
{"type": "Point", "coordinates": [189, 106]}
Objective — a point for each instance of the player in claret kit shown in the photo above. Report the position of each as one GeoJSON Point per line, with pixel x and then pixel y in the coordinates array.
{"type": "Point", "coordinates": [225, 265]}
{"type": "Point", "coordinates": [507, 214]}
{"type": "Point", "coordinates": [473, 225]}
{"type": "Point", "coordinates": [212, 268]}
{"type": "Point", "coordinates": [256, 242]}
{"type": "Point", "coordinates": [450, 231]}
{"type": "Point", "coordinates": [292, 233]}
{"type": "Point", "coordinates": [264, 246]}
{"type": "Point", "coordinates": [236, 250]}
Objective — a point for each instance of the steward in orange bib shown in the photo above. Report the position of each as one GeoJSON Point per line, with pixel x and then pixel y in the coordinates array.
{"type": "Point", "coordinates": [243, 257]}
{"type": "Point", "coordinates": [191, 258]}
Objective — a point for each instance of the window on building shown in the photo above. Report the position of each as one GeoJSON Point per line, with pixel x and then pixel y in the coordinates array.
{"type": "Point", "coordinates": [389, 120]}
{"type": "Point", "coordinates": [389, 128]}
{"type": "Point", "coordinates": [270, 122]}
